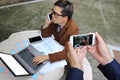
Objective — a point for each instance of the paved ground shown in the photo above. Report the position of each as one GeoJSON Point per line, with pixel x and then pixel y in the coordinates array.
{"type": "Point", "coordinates": [6, 2]}
{"type": "Point", "coordinates": [102, 16]}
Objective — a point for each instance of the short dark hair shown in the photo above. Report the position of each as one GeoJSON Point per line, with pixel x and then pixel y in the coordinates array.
{"type": "Point", "coordinates": [85, 38]}
{"type": "Point", "coordinates": [66, 6]}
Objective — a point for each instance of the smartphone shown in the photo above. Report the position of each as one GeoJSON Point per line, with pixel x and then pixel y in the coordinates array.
{"type": "Point", "coordinates": [50, 16]}
{"type": "Point", "coordinates": [35, 39]}
{"type": "Point", "coordinates": [82, 40]}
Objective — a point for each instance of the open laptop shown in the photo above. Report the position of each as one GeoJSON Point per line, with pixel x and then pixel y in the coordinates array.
{"type": "Point", "coordinates": [20, 64]}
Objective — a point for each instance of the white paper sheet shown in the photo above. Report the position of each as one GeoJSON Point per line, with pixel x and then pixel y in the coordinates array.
{"type": "Point", "coordinates": [52, 66]}
{"type": "Point", "coordinates": [48, 46]}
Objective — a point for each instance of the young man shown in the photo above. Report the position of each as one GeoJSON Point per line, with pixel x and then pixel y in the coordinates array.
{"type": "Point", "coordinates": [108, 65]}
{"type": "Point", "coordinates": [62, 26]}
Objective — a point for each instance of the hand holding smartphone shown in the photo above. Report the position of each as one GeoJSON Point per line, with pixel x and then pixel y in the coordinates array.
{"type": "Point", "coordinates": [82, 40]}
{"type": "Point", "coordinates": [49, 16]}
{"type": "Point", "coordinates": [48, 20]}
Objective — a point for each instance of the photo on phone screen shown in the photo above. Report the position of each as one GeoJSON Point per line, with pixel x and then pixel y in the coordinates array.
{"type": "Point", "coordinates": [35, 39]}
{"type": "Point", "coordinates": [82, 40]}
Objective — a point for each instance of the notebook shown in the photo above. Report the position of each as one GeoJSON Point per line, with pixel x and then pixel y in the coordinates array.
{"type": "Point", "coordinates": [20, 64]}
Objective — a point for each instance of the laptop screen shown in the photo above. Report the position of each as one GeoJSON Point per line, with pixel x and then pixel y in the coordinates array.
{"type": "Point", "coordinates": [11, 62]}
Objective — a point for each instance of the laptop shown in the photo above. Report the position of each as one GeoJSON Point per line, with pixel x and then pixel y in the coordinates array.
{"type": "Point", "coordinates": [20, 64]}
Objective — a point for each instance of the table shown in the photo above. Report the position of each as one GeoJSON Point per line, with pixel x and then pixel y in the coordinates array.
{"type": "Point", "coordinates": [15, 43]}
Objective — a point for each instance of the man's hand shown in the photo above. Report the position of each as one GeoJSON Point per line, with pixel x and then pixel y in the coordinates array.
{"type": "Point", "coordinates": [100, 51]}
{"type": "Point", "coordinates": [76, 56]}
{"type": "Point", "coordinates": [47, 22]}
{"type": "Point", "coordinates": [39, 59]}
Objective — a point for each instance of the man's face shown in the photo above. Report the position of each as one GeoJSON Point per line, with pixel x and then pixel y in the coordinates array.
{"type": "Point", "coordinates": [57, 16]}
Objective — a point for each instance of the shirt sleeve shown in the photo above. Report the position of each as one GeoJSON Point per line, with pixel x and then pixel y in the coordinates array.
{"type": "Point", "coordinates": [57, 56]}
{"type": "Point", "coordinates": [46, 32]}
{"type": "Point", "coordinates": [74, 74]}
{"type": "Point", "coordinates": [111, 71]}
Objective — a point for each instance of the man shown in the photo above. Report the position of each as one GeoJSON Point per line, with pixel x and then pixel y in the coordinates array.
{"type": "Point", "coordinates": [84, 41]}
{"type": "Point", "coordinates": [62, 26]}
{"type": "Point", "coordinates": [108, 66]}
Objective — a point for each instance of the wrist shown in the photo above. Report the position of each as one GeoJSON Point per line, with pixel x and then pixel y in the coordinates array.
{"type": "Point", "coordinates": [107, 61]}
{"type": "Point", "coordinates": [44, 26]}
{"type": "Point", "coordinates": [46, 57]}
{"type": "Point", "coordinates": [79, 66]}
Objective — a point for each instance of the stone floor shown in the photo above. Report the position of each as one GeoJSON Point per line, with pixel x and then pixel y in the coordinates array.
{"type": "Point", "coordinates": [101, 16]}
{"type": "Point", "coordinates": [8, 2]}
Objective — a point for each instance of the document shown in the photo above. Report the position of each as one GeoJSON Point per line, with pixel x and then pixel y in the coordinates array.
{"type": "Point", "coordinates": [47, 46]}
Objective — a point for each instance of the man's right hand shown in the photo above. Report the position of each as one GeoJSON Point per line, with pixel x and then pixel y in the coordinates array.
{"type": "Point", "coordinates": [47, 22]}
{"type": "Point", "coordinates": [100, 51]}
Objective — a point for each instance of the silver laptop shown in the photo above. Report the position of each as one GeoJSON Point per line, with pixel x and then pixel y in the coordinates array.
{"type": "Point", "coordinates": [20, 64]}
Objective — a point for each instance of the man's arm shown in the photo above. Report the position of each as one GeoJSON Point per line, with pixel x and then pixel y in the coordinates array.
{"type": "Point", "coordinates": [75, 58]}
{"type": "Point", "coordinates": [46, 32]}
{"type": "Point", "coordinates": [111, 70]}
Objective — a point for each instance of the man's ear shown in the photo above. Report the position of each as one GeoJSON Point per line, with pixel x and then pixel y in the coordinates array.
{"type": "Point", "coordinates": [65, 17]}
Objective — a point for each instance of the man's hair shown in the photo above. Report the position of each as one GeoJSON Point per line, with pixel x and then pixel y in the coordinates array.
{"type": "Point", "coordinates": [67, 7]}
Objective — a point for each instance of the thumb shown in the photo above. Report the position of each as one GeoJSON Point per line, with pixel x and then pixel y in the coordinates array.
{"type": "Point", "coordinates": [70, 47]}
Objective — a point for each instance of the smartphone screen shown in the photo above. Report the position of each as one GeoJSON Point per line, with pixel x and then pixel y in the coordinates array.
{"type": "Point", "coordinates": [83, 40]}
{"type": "Point", "coordinates": [34, 39]}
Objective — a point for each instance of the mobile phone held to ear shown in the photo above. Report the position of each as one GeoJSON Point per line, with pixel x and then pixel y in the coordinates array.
{"type": "Point", "coordinates": [82, 40]}
{"type": "Point", "coordinates": [35, 39]}
{"type": "Point", "coordinates": [50, 16]}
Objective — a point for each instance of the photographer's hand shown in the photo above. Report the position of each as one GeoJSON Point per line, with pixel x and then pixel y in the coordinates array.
{"type": "Point", "coordinates": [76, 56]}
{"type": "Point", "coordinates": [100, 51]}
